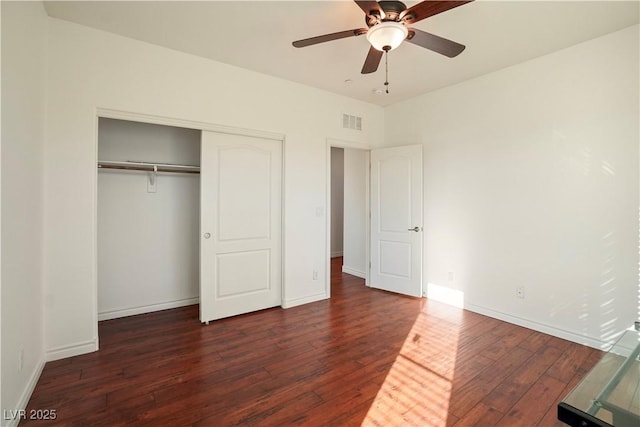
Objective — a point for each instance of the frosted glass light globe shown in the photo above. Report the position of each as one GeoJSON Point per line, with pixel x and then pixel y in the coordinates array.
{"type": "Point", "coordinates": [385, 34]}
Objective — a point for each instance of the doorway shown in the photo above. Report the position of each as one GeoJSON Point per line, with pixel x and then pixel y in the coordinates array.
{"type": "Point", "coordinates": [392, 216]}
{"type": "Point", "coordinates": [349, 209]}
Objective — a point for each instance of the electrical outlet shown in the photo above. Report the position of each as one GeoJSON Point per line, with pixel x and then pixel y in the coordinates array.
{"type": "Point", "coordinates": [21, 359]}
{"type": "Point", "coordinates": [450, 276]}
{"type": "Point", "coordinates": [520, 292]}
{"type": "Point", "coordinates": [315, 274]}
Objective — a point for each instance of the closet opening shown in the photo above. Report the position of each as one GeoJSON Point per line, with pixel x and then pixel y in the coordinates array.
{"type": "Point", "coordinates": [148, 217]}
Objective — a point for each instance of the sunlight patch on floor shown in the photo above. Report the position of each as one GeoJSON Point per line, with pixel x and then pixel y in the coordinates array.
{"type": "Point", "coordinates": [417, 388]}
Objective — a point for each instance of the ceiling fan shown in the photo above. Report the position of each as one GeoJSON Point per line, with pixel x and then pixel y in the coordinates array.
{"type": "Point", "coordinates": [388, 26]}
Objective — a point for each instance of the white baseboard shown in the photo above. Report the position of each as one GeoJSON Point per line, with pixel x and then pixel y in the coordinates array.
{"type": "Point", "coordinates": [6, 420]}
{"type": "Point", "coordinates": [132, 311]}
{"type": "Point", "coordinates": [72, 350]}
{"type": "Point", "coordinates": [354, 272]}
{"type": "Point", "coordinates": [304, 300]}
{"type": "Point", "coordinates": [540, 327]}
{"type": "Point", "coordinates": [336, 254]}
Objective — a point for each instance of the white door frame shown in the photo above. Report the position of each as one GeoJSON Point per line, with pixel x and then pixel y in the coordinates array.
{"type": "Point", "coordinates": [331, 142]}
{"type": "Point", "coordinates": [168, 121]}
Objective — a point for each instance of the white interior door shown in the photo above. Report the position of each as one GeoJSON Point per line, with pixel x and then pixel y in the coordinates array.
{"type": "Point", "coordinates": [240, 225]}
{"type": "Point", "coordinates": [396, 219]}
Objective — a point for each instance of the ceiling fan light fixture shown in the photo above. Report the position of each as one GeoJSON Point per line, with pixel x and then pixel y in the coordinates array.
{"type": "Point", "coordinates": [387, 35]}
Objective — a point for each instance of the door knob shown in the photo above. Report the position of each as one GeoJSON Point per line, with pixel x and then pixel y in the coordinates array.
{"type": "Point", "coordinates": [416, 229]}
{"type": "Point", "coordinates": [207, 235]}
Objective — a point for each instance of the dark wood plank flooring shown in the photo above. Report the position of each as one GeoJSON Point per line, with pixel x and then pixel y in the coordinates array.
{"type": "Point", "coordinates": [365, 357]}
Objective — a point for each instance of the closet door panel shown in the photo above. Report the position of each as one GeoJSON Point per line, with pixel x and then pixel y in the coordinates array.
{"type": "Point", "coordinates": [235, 280]}
{"type": "Point", "coordinates": [240, 250]}
{"type": "Point", "coordinates": [244, 184]}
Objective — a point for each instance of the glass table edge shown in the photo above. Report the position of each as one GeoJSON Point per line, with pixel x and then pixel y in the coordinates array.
{"type": "Point", "coordinates": [576, 418]}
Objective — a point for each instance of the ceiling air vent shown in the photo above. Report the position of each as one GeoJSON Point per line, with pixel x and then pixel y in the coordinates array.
{"type": "Point", "coordinates": [351, 122]}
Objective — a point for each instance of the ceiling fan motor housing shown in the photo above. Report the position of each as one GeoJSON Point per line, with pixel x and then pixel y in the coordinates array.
{"type": "Point", "coordinates": [392, 10]}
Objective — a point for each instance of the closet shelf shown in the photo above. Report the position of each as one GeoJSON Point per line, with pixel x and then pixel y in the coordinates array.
{"type": "Point", "coordinates": [148, 167]}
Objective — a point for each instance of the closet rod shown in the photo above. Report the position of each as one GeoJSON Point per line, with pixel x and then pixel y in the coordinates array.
{"type": "Point", "coordinates": [149, 167]}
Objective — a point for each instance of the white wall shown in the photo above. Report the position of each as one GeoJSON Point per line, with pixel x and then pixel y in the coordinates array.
{"type": "Point", "coordinates": [337, 201]}
{"type": "Point", "coordinates": [147, 241]}
{"type": "Point", "coordinates": [356, 166]}
{"type": "Point", "coordinates": [531, 179]}
{"type": "Point", "coordinates": [23, 115]}
{"type": "Point", "coordinates": [90, 69]}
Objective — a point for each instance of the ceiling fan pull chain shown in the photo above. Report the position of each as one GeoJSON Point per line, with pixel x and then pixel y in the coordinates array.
{"type": "Point", "coordinates": [386, 70]}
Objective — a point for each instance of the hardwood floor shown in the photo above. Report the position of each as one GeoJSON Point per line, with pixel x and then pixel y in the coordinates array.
{"type": "Point", "coordinates": [365, 357]}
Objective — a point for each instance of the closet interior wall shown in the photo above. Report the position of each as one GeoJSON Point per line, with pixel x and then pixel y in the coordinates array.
{"type": "Point", "coordinates": [148, 242]}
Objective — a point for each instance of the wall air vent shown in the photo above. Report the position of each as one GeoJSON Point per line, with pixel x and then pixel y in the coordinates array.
{"type": "Point", "coordinates": [351, 122]}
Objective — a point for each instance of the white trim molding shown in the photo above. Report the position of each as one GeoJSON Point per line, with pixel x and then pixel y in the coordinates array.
{"type": "Point", "coordinates": [303, 300]}
{"type": "Point", "coordinates": [190, 124]}
{"type": "Point", "coordinates": [132, 311]}
{"type": "Point", "coordinates": [354, 272]}
{"type": "Point", "coordinates": [9, 421]}
{"type": "Point", "coordinates": [72, 350]}
{"type": "Point", "coordinates": [540, 327]}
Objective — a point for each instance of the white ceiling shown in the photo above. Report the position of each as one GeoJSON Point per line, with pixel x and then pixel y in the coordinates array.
{"type": "Point", "coordinates": [257, 35]}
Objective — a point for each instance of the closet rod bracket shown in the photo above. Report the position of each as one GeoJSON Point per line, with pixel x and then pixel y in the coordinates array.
{"type": "Point", "coordinates": [152, 180]}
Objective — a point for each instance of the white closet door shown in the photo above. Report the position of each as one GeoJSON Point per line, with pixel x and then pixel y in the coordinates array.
{"type": "Point", "coordinates": [241, 220]}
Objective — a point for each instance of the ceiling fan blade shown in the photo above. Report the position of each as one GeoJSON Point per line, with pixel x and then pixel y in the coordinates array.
{"type": "Point", "coordinates": [428, 8]}
{"type": "Point", "coordinates": [435, 43]}
{"type": "Point", "coordinates": [372, 61]}
{"type": "Point", "coordinates": [329, 37]}
{"type": "Point", "coordinates": [370, 8]}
